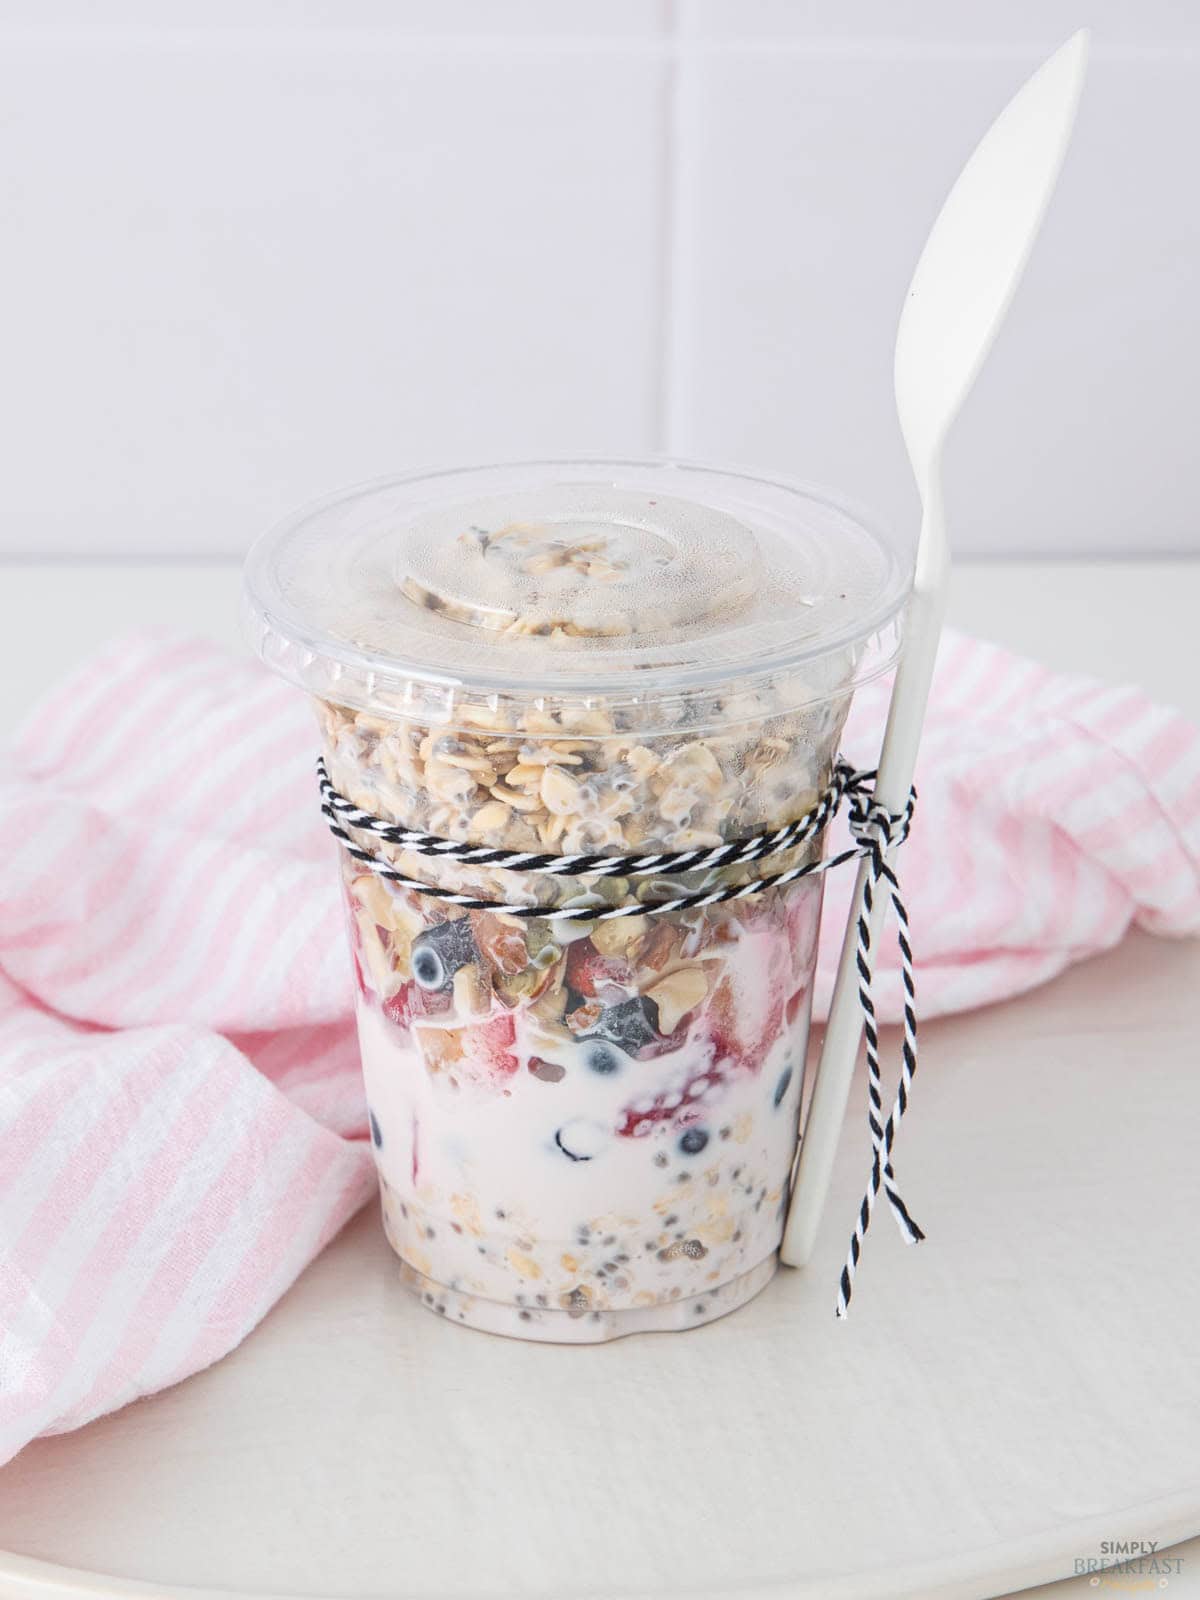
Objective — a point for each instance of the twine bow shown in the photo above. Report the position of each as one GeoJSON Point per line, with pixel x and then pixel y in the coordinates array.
{"type": "Point", "coordinates": [878, 834]}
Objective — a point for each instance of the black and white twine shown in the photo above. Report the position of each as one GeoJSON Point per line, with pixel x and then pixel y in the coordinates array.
{"type": "Point", "coordinates": [876, 833]}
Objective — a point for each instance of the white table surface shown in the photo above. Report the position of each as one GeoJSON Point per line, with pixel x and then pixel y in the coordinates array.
{"type": "Point", "coordinates": [1020, 1389]}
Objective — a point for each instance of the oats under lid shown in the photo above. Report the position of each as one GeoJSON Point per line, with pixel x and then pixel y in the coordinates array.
{"type": "Point", "coordinates": [655, 586]}
{"type": "Point", "coordinates": [575, 561]}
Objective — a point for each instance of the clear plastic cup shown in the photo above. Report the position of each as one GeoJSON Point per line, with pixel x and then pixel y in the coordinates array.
{"type": "Point", "coordinates": [581, 1129]}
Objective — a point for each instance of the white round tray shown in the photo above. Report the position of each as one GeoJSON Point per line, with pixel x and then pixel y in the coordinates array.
{"type": "Point", "coordinates": [1002, 1399]}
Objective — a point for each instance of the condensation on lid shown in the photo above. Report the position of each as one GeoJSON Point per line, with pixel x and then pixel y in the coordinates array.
{"type": "Point", "coordinates": [649, 584]}
{"type": "Point", "coordinates": [579, 561]}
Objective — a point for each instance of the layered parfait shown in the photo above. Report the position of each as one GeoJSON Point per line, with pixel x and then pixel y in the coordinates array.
{"type": "Point", "coordinates": [582, 1128]}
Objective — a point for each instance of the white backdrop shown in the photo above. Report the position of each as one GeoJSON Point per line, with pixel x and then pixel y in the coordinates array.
{"type": "Point", "coordinates": [254, 249]}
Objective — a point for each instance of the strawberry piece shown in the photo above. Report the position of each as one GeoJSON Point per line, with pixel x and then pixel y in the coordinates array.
{"type": "Point", "coordinates": [410, 1003]}
{"type": "Point", "coordinates": [396, 1008]}
{"type": "Point", "coordinates": [585, 1016]}
{"type": "Point", "coordinates": [491, 1044]}
{"type": "Point", "coordinates": [659, 945]}
{"type": "Point", "coordinates": [479, 1054]}
{"type": "Point", "coordinates": [681, 1108]}
{"type": "Point", "coordinates": [502, 946]}
{"type": "Point", "coordinates": [598, 977]}
{"type": "Point", "coordinates": [742, 1028]}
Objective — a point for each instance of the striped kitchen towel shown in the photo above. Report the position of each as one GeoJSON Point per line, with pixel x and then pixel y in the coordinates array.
{"type": "Point", "coordinates": [181, 1123]}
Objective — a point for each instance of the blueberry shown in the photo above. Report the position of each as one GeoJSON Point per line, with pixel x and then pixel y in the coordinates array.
{"type": "Point", "coordinates": [693, 1141]}
{"type": "Point", "coordinates": [376, 1131]}
{"type": "Point", "coordinates": [428, 969]}
{"type": "Point", "coordinates": [631, 1024]}
{"type": "Point", "coordinates": [570, 1154]}
{"type": "Point", "coordinates": [784, 1084]}
{"type": "Point", "coordinates": [602, 1057]}
{"type": "Point", "coordinates": [581, 1139]}
{"type": "Point", "coordinates": [440, 951]}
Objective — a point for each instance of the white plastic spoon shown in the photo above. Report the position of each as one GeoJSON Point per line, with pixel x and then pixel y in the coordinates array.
{"type": "Point", "coordinates": [960, 292]}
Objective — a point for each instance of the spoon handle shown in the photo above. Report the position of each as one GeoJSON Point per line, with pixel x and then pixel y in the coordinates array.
{"type": "Point", "coordinates": [897, 762]}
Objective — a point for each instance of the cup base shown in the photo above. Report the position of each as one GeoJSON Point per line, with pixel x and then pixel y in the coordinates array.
{"type": "Point", "coordinates": [550, 1325]}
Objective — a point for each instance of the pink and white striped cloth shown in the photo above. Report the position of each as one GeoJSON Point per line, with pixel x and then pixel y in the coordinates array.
{"type": "Point", "coordinates": [181, 1123]}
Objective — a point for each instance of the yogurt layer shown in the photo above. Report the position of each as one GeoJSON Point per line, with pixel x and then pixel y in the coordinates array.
{"type": "Point", "coordinates": [574, 1187]}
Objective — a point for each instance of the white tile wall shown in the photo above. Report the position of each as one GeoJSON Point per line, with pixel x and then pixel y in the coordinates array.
{"type": "Point", "coordinates": [1081, 434]}
{"type": "Point", "coordinates": [258, 248]}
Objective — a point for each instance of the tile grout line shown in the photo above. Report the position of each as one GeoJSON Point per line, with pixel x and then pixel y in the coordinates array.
{"type": "Point", "coordinates": [874, 46]}
{"type": "Point", "coordinates": [673, 295]}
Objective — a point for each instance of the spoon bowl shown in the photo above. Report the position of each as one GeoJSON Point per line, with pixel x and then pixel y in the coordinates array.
{"type": "Point", "coordinates": [977, 250]}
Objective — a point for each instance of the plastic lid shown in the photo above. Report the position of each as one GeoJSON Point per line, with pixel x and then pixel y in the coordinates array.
{"type": "Point", "coordinates": [658, 587]}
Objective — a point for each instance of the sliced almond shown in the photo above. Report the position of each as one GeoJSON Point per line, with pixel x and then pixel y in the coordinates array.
{"type": "Point", "coordinates": [617, 937]}
{"type": "Point", "coordinates": [474, 762]}
{"type": "Point", "coordinates": [373, 896]}
{"type": "Point", "coordinates": [677, 994]}
{"type": "Point", "coordinates": [561, 751]}
{"type": "Point", "coordinates": [471, 998]}
{"type": "Point", "coordinates": [695, 839]}
{"type": "Point", "coordinates": [560, 792]}
{"type": "Point", "coordinates": [618, 804]}
{"type": "Point", "coordinates": [676, 803]}
{"type": "Point", "coordinates": [385, 758]}
{"type": "Point", "coordinates": [551, 831]}
{"type": "Point", "coordinates": [695, 763]}
{"type": "Point", "coordinates": [514, 798]}
{"type": "Point", "coordinates": [446, 782]}
{"type": "Point", "coordinates": [408, 918]}
{"type": "Point", "coordinates": [551, 1005]}
{"type": "Point", "coordinates": [483, 717]}
{"type": "Point", "coordinates": [643, 761]}
{"type": "Point", "coordinates": [379, 962]}
{"type": "Point", "coordinates": [491, 818]}
{"type": "Point", "coordinates": [440, 1047]}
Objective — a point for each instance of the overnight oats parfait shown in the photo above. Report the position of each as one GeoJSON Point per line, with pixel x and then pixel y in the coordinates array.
{"type": "Point", "coordinates": [584, 1126]}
